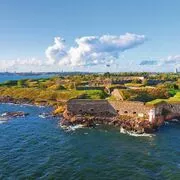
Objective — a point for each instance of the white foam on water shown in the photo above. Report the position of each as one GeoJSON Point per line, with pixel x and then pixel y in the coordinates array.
{"type": "Point", "coordinates": [175, 120]}
{"type": "Point", "coordinates": [131, 133]}
{"type": "Point", "coordinates": [1, 122]}
{"type": "Point", "coordinates": [42, 116]}
{"type": "Point", "coordinates": [72, 128]}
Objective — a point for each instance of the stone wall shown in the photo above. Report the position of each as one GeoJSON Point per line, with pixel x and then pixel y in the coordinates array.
{"type": "Point", "coordinates": [117, 94]}
{"type": "Point", "coordinates": [163, 111]}
{"type": "Point", "coordinates": [172, 108]}
{"type": "Point", "coordinates": [93, 107]}
{"type": "Point", "coordinates": [131, 108]}
{"type": "Point", "coordinates": [168, 110]}
{"type": "Point", "coordinates": [101, 107]}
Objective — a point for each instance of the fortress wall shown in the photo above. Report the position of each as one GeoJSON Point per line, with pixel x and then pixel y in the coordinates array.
{"type": "Point", "coordinates": [83, 106]}
{"type": "Point", "coordinates": [117, 94]}
{"type": "Point", "coordinates": [171, 108]}
{"type": "Point", "coordinates": [100, 107]}
{"type": "Point", "coordinates": [130, 108]}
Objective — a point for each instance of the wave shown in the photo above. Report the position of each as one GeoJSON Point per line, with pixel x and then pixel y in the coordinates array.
{"type": "Point", "coordinates": [25, 104]}
{"type": "Point", "coordinates": [1, 122]}
{"type": "Point", "coordinates": [131, 133]}
{"type": "Point", "coordinates": [175, 120]}
{"type": "Point", "coordinates": [72, 128]}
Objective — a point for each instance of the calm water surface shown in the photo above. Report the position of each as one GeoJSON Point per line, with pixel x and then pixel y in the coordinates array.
{"type": "Point", "coordinates": [7, 77]}
{"type": "Point", "coordinates": [36, 148]}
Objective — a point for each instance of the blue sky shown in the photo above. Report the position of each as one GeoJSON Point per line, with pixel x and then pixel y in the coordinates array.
{"type": "Point", "coordinates": [28, 28]}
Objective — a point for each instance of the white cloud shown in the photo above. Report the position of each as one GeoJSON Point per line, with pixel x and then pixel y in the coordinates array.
{"type": "Point", "coordinates": [172, 60]}
{"type": "Point", "coordinates": [87, 51]}
{"type": "Point", "coordinates": [57, 51]}
{"type": "Point", "coordinates": [16, 64]}
{"type": "Point", "coordinates": [92, 50]}
{"type": "Point", "coordinates": [148, 62]}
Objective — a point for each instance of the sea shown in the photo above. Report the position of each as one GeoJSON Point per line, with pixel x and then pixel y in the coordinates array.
{"type": "Point", "coordinates": [33, 147]}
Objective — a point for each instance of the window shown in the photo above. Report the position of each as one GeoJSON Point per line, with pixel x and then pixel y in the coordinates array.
{"type": "Point", "coordinates": [125, 112]}
{"type": "Point", "coordinates": [91, 109]}
{"type": "Point", "coordinates": [134, 112]}
{"type": "Point", "coordinates": [80, 110]}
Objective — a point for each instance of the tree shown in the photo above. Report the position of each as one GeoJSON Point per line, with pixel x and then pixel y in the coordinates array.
{"type": "Point", "coordinates": [20, 83]}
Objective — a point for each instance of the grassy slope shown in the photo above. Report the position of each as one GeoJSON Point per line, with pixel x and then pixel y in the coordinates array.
{"type": "Point", "coordinates": [174, 99]}
{"type": "Point", "coordinates": [35, 94]}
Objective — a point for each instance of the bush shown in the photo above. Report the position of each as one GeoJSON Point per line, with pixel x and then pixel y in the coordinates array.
{"type": "Point", "coordinates": [10, 83]}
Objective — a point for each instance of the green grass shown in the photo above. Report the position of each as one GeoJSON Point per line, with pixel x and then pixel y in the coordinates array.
{"type": "Point", "coordinates": [173, 91]}
{"type": "Point", "coordinates": [175, 99]}
{"type": "Point", "coordinates": [51, 96]}
{"type": "Point", "coordinates": [156, 101]}
{"type": "Point", "coordinates": [93, 94]}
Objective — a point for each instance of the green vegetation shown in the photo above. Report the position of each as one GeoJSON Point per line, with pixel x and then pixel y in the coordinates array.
{"type": "Point", "coordinates": [144, 94]}
{"type": "Point", "coordinates": [134, 85]}
{"type": "Point", "coordinates": [173, 99]}
{"type": "Point", "coordinates": [145, 87]}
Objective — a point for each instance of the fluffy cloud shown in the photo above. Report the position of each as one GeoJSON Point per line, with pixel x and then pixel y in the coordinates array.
{"type": "Point", "coordinates": [92, 50]}
{"type": "Point", "coordinates": [57, 51]}
{"type": "Point", "coordinates": [87, 51]}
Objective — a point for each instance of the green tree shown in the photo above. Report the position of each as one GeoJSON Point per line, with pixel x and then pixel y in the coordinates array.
{"type": "Point", "coordinates": [20, 83]}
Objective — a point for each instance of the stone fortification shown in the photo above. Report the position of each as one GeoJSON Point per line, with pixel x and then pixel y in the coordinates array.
{"type": "Point", "coordinates": [131, 115]}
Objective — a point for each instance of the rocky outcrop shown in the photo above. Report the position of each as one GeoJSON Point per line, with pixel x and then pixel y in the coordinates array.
{"type": "Point", "coordinates": [9, 99]}
{"type": "Point", "coordinates": [14, 114]}
{"type": "Point", "coordinates": [126, 122]}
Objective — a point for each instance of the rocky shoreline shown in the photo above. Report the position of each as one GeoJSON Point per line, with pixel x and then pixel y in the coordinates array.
{"type": "Point", "coordinates": [14, 114]}
{"type": "Point", "coordinates": [9, 99]}
{"type": "Point", "coordinates": [133, 124]}
{"type": "Point", "coordinates": [129, 123]}
{"type": "Point", "coordinates": [21, 101]}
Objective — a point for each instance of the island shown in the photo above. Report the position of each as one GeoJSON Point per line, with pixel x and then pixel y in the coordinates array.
{"type": "Point", "coordinates": [138, 102]}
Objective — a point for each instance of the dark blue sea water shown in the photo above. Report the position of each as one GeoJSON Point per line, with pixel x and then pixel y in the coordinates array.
{"type": "Point", "coordinates": [36, 148]}
{"type": "Point", "coordinates": [6, 77]}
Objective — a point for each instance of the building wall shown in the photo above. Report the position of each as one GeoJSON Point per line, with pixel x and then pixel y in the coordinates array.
{"type": "Point", "coordinates": [130, 108]}
{"type": "Point", "coordinates": [94, 107]}
{"type": "Point", "coordinates": [82, 106]}
{"type": "Point", "coordinates": [117, 94]}
{"type": "Point", "coordinates": [172, 108]}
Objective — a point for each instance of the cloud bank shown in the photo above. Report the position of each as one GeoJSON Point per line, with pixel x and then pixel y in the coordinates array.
{"type": "Point", "coordinates": [15, 64]}
{"type": "Point", "coordinates": [170, 61]}
{"type": "Point", "coordinates": [92, 50]}
{"type": "Point", "coordinates": [87, 51]}
{"type": "Point", "coordinates": [149, 62]}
